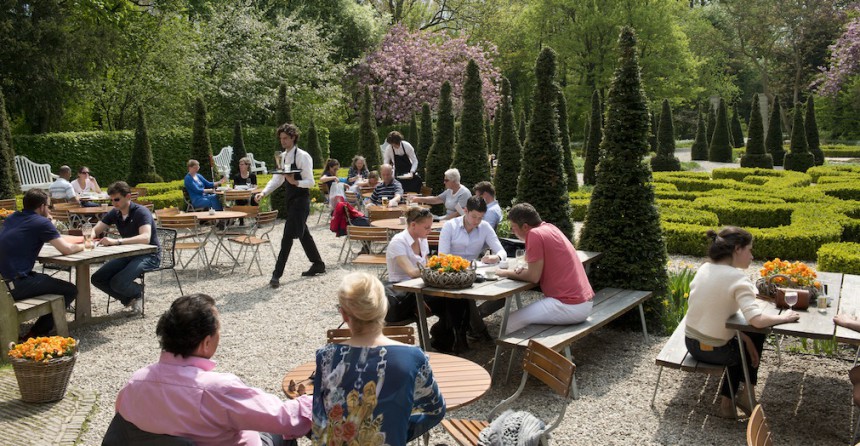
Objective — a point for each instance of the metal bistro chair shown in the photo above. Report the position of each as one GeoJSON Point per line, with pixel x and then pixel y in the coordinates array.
{"type": "Point", "coordinates": [543, 363]}
{"type": "Point", "coordinates": [191, 229]}
{"type": "Point", "coordinates": [258, 234]}
{"type": "Point", "coordinates": [188, 206]}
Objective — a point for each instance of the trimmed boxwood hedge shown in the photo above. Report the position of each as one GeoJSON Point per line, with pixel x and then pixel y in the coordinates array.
{"type": "Point", "coordinates": [839, 257]}
{"type": "Point", "coordinates": [840, 151]}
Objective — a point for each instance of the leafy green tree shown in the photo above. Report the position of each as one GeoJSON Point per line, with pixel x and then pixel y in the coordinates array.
{"type": "Point", "coordinates": [595, 137]}
{"type": "Point", "coordinates": [9, 185]}
{"type": "Point", "coordinates": [665, 159]}
{"type": "Point", "coordinates": [720, 150]}
{"type": "Point", "coordinates": [142, 168]}
{"type": "Point", "coordinates": [425, 142]}
{"type": "Point", "coordinates": [737, 131]}
{"type": "Point", "coordinates": [812, 132]}
{"type": "Point", "coordinates": [755, 155]}
{"type": "Point", "coordinates": [312, 145]}
{"type": "Point", "coordinates": [497, 123]}
{"type": "Point", "coordinates": [471, 156]}
{"type": "Point", "coordinates": [564, 132]}
{"type": "Point", "coordinates": [413, 131]}
{"type": "Point", "coordinates": [798, 158]}
{"type": "Point", "coordinates": [368, 140]}
{"type": "Point", "coordinates": [773, 142]}
{"type": "Point", "coordinates": [712, 124]}
{"type": "Point", "coordinates": [439, 158]}
{"type": "Point", "coordinates": [699, 151]}
{"type": "Point", "coordinates": [201, 148]}
{"type": "Point", "coordinates": [353, 28]}
{"type": "Point", "coordinates": [239, 151]}
{"type": "Point", "coordinates": [510, 150]}
{"type": "Point", "coordinates": [622, 220]}
{"type": "Point", "coordinates": [542, 181]}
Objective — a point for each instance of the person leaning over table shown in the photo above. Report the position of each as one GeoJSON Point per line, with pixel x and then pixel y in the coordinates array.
{"type": "Point", "coordinates": [298, 203]}
{"type": "Point", "coordinates": [851, 322]}
{"type": "Point", "coordinates": [200, 190]}
{"type": "Point", "coordinates": [244, 177]}
{"type": "Point", "coordinates": [22, 236]}
{"type": "Point", "coordinates": [388, 188]}
{"type": "Point", "coordinates": [136, 227]}
{"type": "Point", "coordinates": [405, 250]}
{"type": "Point", "coordinates": [371, 182]}
{"type": "Point", "coordinates": [719, 289]}
{"type": "Point", "coordinates": [454, 196]}
{"type": "Point", "coordinates": [357, 170]}
{"type": "Point", "coordinates": [329, 173]}
{"type": "Point", "coordinates": [371, 389]}
{"type": "Point", "coordinates": [552, 263]}
{"type": "Point", "coordinates": [61, 188]}
{"type": "Point", "coordinates": [401, 155]}
{"type": "Point", "coordinates": [485, 190]}
{"type": "Point", "coordinates": [181, 394]}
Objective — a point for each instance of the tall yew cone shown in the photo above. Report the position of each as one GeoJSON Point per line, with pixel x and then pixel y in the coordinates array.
{"type": "Point", "coordinates": [773, 142]}
{"type": "Point", "coordinates": [665, 160]}
{"type": "Point", "coordinates": [712, 124]}
{"type": "Point", "coordinates": [798, 158]}
{"type": "Point", "coordinates": [595, 137]}
{"type": "Point", "coordinates": [488, 135]}
{"type": "Point", "coordinates": [283, 112]}
{"type": "Point", "coordinates": [413, 131]}
{"type": "Point", "coordinates": [622, 220]}
{"type": "Point", "coordinates": [311, 143]}
{"type": "Point", "coordinates": [471, 156]}
{"type": "Point", "coordinates": [425, 140]}
{"type": "Point", "coordinates": [439, 158]}
{"type": "Point", "coordinates": [522, 128]}
{"type": "Point", "coordinates": [564, 134]}
{"type": "Point", "coordinates": [720, 150]}
{"type": "Point", "coordinates": [812, 132]}
{"type": "Point", "coordinates": [368, 140]}
{"type": "Point", "coordinates": [542, 181]}
{"type": "Point", "coordinates": [497, 123]}
{"type": "Point", "coordinates": [239, 151]}
{"type": "Point", "coordinates": [9, 185]}
{"type": "Point", "coordinates": [142, 167]}
{"type": "Point", "coordinates": [755, 155]}
{"type": "Point", "coordinates": [699, 151]}
{"type": "Point", "coordinates": [510, 150]}
{"type": "Point", "coordinates": [652, 132]}
{"type": "Point", "coordinates": [201, 148]}
{"type": "Point", "coordinates": [737, 130]}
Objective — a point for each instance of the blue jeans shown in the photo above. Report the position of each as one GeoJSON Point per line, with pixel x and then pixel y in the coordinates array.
{"type": "Point", "coordinates": [116, 278]}
{"type": "Point", "coordinates": [38, 284]}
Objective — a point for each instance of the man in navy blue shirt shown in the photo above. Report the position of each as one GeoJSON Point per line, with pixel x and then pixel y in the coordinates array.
{"type": "Point", "coordinates": [135, 225]}
{"type": "Point", "coordinates": [22, 237]}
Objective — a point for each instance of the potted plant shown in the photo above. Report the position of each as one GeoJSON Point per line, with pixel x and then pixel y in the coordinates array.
{"type": "Point", "coordinates": [778, 275]}
{"type": "Point", "coordinates": [43, 366]}
{"type": "Point", "coordinates": [448, 271]}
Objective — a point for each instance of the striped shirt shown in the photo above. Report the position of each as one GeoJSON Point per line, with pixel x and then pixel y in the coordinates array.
{"type": "Point", "coordinates": [383, 190]}
{"type": "Point", "coordinates": [61, 188]}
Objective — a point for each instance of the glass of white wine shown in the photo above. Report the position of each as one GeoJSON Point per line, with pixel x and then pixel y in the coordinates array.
{"type": "Point", "coordinates": [521, 258]}
{"type": "Point", "coordinates": [791, 299]}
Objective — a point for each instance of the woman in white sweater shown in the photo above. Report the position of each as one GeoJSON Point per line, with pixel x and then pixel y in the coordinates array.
{"type": "Point", "coordinates": [718, 291]}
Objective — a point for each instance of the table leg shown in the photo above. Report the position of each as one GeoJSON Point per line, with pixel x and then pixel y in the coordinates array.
{"type": "Point", "coordinates": [220, 245]}
{"type": "Point", "coordinates": [502, 329]}
{"type": "Point", "coordinates": [744, 365]}
{"type": "Point", "coordinates": [423, 332]}
{"type": "Point", "coordinates": [83, 303]}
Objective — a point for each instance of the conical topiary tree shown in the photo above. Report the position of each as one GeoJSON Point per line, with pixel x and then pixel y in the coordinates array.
{"type": "Point", "coordinates": [413, 131]}
{"type": "Point", "coordinates": [510, 150]}
{"type": "Point", "coordinates": [699, 150]}
{"type": "Point", "coordinates": [542, 181]}
{"type": "Point", "coordinates": [755, 155]}
{"type": "Point", "coordinates": [201, 148]}
{"type": "Point", "coordinates": [425, 140]}
{"type": "Point", "coordinates": [564, 135]}
{"type": "Point", "coordinates": [737, 131]}
{"type": "Point", "coordinates": [471, 156]}
{"type": "Point", "coordinates": [9, 185]}
{"type": "Point", "coordinates": [142, 167]}
{"type": "Point", "coordinates": [773, 141]}
{"type": "Point", "coordinates": [798, 158]}
{"type": "Point", "coordinates": [652, 132]}
{"type": "Point", "coordinates": [586, 130]}
{"type": "Point", "coordinates": [712, 124]}
{"type": "Point", "coordinates": [239, 151]}
{"type": "Point", "coordinates": [368, 140]}
{"type": "Point", "coordinates": [811, 127]}
{"type": "Point", "coordinates": [283, 112]}
{"type": "Point", "coordinates": [595, 137]}
{"type": "Point", "coordinates": [442, 151]}
{"type": "Point", "coordinates": [622, 220]}
{"type": "Point", "coordinates": [665, 160]}
{"type": "Point", "coordinates": [720, 150]}
{"type": "Point", "coordinates": [311, 142]}
{"type": "Point", "coordinates": [497, 123]}
{"type": "Point", "coordinates": [522, 128]}
{"type": "Point", "coordinates": [488, 135]}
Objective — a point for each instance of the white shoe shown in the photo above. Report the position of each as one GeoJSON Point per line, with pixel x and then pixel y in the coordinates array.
{"type": "Point", "coordinates": [135, 307]}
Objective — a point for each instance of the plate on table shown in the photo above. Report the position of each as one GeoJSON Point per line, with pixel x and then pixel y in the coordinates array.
{"type": "Point", "coordinates": [222, 188]}
{"type": "Point", "coordinates": [408, 176]}
{"type": "Point", "coordinates": [284, 172]}
{"type": "Point", "coordinates": [242, 187]}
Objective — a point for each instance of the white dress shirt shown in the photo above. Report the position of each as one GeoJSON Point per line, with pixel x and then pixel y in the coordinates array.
{"type": "Point", "coordinates": [303, 161]}
{"type": "Point", "coordinates": [388, 156]}
{"type": "Point", "coordinates": [61, 188]}
{"type": "Point", "coordinates": [494, 214]}
{"type": "Point", "coordinates": [401, 245]}
{"type": "Point", "coordinates": [454, 239]}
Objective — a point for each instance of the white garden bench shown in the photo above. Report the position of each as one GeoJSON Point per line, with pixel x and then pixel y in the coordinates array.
{"type": "Point", "coordinates": [33, 175]}
{"type": "Point", "coordinates": [257, 166]}
{"type": "Point", "coordinates": [223, 160]}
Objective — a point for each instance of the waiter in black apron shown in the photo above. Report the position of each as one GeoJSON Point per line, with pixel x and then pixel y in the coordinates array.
{"type": "Point", "coordinates": [401, 155]}
{"type": "Point", "coordinates": [298, 203]}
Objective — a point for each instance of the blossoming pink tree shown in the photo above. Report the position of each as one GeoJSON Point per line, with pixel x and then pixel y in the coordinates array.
{"type": "Point", "coordinates": [844, 60]}
{"type": "Point", "coordinates": [410, 67]}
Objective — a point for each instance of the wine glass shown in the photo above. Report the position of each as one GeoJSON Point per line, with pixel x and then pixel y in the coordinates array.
{"type": "Point", "coordinates": [791, 299]}
{"type": "Point", "coordinates": [521, 258]}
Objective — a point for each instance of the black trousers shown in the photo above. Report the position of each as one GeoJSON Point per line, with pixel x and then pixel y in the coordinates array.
{"type": "Point", "coordinates": [729, 355]}
{"type": "Point", "coordinates": [37, 284]}
{"type": "Point", "coordinates": [296, 226]}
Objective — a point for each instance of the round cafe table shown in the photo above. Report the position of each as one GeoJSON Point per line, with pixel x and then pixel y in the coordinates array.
{"type": "Point", "coordinates": [393, 224]}
{"type": "Point", "coordinates": [219, 235]}
{"type": "Point", "coordinates": [461, 381]}
{"type": "Point", "coordinates": [103, 209]}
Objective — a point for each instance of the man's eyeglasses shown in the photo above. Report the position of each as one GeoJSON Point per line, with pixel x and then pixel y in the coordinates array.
{"type": "Point", "coordinates": [116, 199]}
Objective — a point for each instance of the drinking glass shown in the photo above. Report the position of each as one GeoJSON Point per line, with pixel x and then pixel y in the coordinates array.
{"type": "Point", "coordinates": [791, 299]}
{"type": "Point", "coordinates": [521, 258]}
{"type": "Point", "coordinates": [87, 230]}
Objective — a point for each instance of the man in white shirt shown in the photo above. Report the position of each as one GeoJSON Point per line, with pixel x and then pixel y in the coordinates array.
{"type": "Point", "coordinates": [61, 188]}
{"type": "Point", "coordinates": [298, 203]}
{"type": "Point", "coordinates": [485, 190]}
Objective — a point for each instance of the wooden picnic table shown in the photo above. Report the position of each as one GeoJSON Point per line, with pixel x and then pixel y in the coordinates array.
{"type": "Point", "coordinates": [82, 261]}
{"type": "Point", "coordinates": [460, 381]}
{"type": "Point", "coordinates": [393, 224]}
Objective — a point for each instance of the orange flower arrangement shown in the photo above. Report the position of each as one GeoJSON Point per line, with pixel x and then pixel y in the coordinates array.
{"type": "Point", "coordinates": [447, 263]}
{"type": "Point", "coordinates": [5, 213]}
{"type": "Point", "coordinates": [799, 273]}
{"type": "Point", "coordinates": [43, 349]}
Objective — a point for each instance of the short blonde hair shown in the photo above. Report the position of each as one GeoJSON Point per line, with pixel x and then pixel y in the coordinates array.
{"type": "Point", "coordinates": [245, 160]}
{"type": "Point", "coordinates": [192, 163]}
{"type": "Point", "coordinates": [362, 297]}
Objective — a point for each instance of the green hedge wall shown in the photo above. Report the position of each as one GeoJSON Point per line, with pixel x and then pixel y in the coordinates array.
{"type": "Point", "coordinates": [839, 257]}
{"type": "Point", "coordinates": [343, 141]}
{"type": "Point", "coordinates": [840, 151]}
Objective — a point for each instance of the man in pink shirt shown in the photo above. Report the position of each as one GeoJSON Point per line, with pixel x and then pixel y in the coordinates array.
{"type": "Point", "coordinates": [552, 263]}
{"type": "Point", "coordinates": [181, 396]}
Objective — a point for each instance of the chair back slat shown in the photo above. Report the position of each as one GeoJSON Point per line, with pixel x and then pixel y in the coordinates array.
{"type": "Point", "coordinates": [403, 334]}
{"type": "Point", "coordinates": [382, 214]}
{"type": "Point", "coordinates": [433, 238]}
{"type": "Point", "coordinates": [9, 204]}
{"type": "Point", "coordinates": [550, 367]}
{"type": "Point", "coordinates": [252, 211]}
{"type": "Point", "coordinates": [140, 191]}
{"type": "Point", "coordinates": [266, 218]}
{"type": "Point", "coordinates": [178, 221]}
{"type": "Point", "coordinates": [236, 195]}
{"type": "Point", "coordinates": [758, 432]}
{"type": "Point", "coordinates": [351, 197]}
{"type": "Point", "coordinates": [367, 233]}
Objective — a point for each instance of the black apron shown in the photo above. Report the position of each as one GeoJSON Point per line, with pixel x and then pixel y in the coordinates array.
{"type": "Point", "coordinates": [402, 166]}
{"type": "Point", "coordinates": [298, 204]}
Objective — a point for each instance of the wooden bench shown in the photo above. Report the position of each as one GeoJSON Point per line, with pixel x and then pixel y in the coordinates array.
{"type": "Point", "coordinates": [675, 355]}
{"type": "Point", "coordinates": [13, 313]}
{"type": "Point", "coordinates": [33, 175]}
{"type": "Point", "coordinates": [609, 304]}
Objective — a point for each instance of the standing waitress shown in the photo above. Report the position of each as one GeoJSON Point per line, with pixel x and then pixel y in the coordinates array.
{"type": "Point", "coordinates": [401, 155]}
{"type": "Point", "coordinates": [298, 203]}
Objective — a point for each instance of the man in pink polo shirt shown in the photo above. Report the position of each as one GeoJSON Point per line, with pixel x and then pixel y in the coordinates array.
{"type": "Point", "coordinates": [552, 263]}
{"type": "Point", "coordinates": [181, 396]}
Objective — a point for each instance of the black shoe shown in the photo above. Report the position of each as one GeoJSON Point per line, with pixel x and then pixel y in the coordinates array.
{"type": "Point", "coordinates": [479, 337]}
{"type": "Point", "coordinates": [316, 268]}
{"type": "Point", "coordinates": [274, 283]}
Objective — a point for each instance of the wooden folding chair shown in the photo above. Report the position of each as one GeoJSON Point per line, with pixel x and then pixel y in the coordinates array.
{"type": "Point", "coordinates": [258, 234]}
{"type": "Point", "coordinates": [140, 191]}
{"type": "Point", "coordinates": [232, 196]}
{"type": "Point", "coordinates": [405, 335]}
{"type": "Point", "coordinates": [189, 227]}
{"type": "Point", "coordinates": [426, 191]}
{"type": "Point", "coordinates": [351, 198]}
{"type": "Point", "coordinates": [324, 188]}
{"type": "Point", "coordinates": [433, 239]}
{"type": "Point", "coordinates": [367, 235]}
{"type": "Point", "coordinates": [758, 432]}
{"type": "Point", "coordinates": [9, 204]}
{"type": "Point", "coordinates": [379, 213]}
{"type": "Point", "coordinates": [542, 362]}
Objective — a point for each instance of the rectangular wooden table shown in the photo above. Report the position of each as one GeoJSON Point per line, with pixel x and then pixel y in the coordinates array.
{"type": "Point", "coordinates": [82, 261]}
